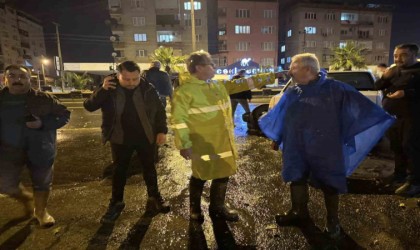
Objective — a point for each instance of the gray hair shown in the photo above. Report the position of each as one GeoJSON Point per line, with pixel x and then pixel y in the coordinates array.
{"type": "Point", "coordinates": [308, 60]}
{"type": "Point", "coordinates": [197, 58]}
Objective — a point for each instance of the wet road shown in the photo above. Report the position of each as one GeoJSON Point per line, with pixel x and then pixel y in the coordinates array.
{"type": "Point", "coordinates": [371, 217]}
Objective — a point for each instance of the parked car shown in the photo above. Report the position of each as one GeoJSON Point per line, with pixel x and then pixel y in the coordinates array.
{"type": "Point", "coordinates": [364, 81]}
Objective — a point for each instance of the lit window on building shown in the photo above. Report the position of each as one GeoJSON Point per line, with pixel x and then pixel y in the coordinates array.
{"type": "Point", "coordinates": [197, 5]}
{"type": "Point", "coordinates": [289, 59]}
{"type": "Point", "coordinates": [165, 38]}
{"type": "Point", "coordinates": [310, 30]}
{"type": "Point", "coordinates": [283, 48]}
{"type": "Point", "coordinates": [282, 61]}
{"type": "Point", "coordinates": [349, 17]}
{"type": "Point", "coordinates": [140, 37]}
{"type": "Point", "coordinates": [342, 44]}
{"type": "Point", "coordinates": [289, 33]}
{"type": "Point", "coordinates": [242, 29]}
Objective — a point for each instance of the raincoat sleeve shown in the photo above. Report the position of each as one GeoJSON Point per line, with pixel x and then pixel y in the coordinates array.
{"type": "Point", "coordinates": [272, 123]}
{"type": "Point", "coordinates": [364, 123]}
{"type": "Point", "coordinates": [243, 84]}
{"type": "Point", "coordinates": [180, 106]}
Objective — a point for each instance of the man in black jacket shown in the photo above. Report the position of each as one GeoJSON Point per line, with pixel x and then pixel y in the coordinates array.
{"type": "Point", "coordinates": [133, 119]}
{"type": "Point", "coordinates": [160, 80]}
{"type": "Point", "coordinates": [241, 97]}
{"type": "Point", "coordinates": [29, 120]}
{"type": "Point", "coordinates": [400, 84]}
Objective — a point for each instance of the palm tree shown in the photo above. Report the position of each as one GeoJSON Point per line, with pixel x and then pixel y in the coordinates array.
{"type": "Point", "coordinates": [165, 55]}
{"type": "Point", "coordinates": [348, 57]}
{"type": "Point", "coordinates": [78, 81]}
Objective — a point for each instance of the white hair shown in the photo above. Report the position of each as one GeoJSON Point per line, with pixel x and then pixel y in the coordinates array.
{"type": "Point", "coordinates": [307, 60]}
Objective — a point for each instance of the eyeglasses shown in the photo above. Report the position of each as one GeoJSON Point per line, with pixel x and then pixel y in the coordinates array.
{"type": "Point", "coordinates": [18, 77]}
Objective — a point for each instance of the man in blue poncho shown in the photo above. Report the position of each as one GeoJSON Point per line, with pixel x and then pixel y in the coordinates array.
{"type": "Point", "coordinates": [325, 128]}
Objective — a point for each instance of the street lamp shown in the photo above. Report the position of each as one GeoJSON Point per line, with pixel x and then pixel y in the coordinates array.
{"type": "Point", "coordinates": [44, 61]}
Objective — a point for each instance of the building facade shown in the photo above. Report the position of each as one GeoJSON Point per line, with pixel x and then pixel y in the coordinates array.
{"type": "Point", "coordinates": [247, 30]}
{"type": "Point", "coordinates": [141, 26]}
{"type": "Point", "coordinates": [21, 38]}
{"type": "Point", "coordinates": [318, 28]}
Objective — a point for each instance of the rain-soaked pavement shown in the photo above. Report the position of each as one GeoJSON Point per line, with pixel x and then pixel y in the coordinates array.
{"type": "Point", "coordinates": [371, 217]}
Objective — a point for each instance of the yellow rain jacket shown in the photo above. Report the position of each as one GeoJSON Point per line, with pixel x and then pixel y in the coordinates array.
{"type": "Point", "coordinates": [202, 120]}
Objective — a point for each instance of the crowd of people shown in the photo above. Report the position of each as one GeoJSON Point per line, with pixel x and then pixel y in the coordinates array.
{"type": "Point", "coordinates": [320, 124]}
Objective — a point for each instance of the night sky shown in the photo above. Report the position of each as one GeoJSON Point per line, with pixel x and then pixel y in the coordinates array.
{"type": "Point", "coordinates": [84, 35]}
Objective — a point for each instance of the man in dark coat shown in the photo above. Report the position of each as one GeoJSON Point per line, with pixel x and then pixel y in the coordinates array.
{"type": "Point", "coordinates": [325, 129]}
{"type": "Point", "coordinates": [241, 97]}
{"type": "Point", "coordinates": [133, 119]}
{"type": "Point", "coordinates": [400, 84]}
{"type": "Point", "coordinates": [29, 120]}
{"type": "Point", "coordinates": [160, 80]}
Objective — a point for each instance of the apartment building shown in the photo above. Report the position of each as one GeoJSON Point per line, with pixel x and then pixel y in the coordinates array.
{"type": "Point", "coordinates": [319, 27]}
{"type": "Point", "coordinates": [247, 30]}
{"type": "Point", "coordinates": [140, 26]}
{"type": "Point", "coordinates": [21, 38]}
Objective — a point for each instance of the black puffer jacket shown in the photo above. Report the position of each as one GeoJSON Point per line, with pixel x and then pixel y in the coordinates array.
{"type": "Point", "coordinates": [111, 102]}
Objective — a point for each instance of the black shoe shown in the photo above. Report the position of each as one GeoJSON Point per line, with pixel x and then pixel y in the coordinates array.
{"type": "Point", "coordinates": [113, 212]}
{"type": "Point", "coordinates": [333, 231]}
{"type": "Point", "coordinates": [224, 213]}
{"type": "Point", "coordinates": [157, 204]}
{"type": "Point", "coordinates": [197, 216]}
{"type": "Point", "coordinates": [291, 218]}
{"type": "Point", "coordinates": [410, 190]}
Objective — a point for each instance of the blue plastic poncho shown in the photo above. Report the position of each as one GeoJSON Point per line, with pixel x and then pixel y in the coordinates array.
{"type": "Point", "coordinates": [325, 129]}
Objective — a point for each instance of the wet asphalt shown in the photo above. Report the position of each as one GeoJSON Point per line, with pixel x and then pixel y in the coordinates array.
{"type": "Point", "coordinates": [371, 216]}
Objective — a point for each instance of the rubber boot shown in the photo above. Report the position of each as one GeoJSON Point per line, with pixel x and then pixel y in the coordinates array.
{"type": "Point", "coordinates": [40, 212]}
{"type": "Point", "coordinates": [332, 227]}
{"type": "Point", "coordinates": [299, 212]}
{"type": "Point", "coordinates": [26, 198]}
{"type": "Point", "coordinates": [196, 190]}
{"type": "Point", "coordinates": [218, 209]}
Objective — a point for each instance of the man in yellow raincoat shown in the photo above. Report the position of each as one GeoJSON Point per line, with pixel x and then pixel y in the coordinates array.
{"type": "Point", "coordinates": [202, 121]}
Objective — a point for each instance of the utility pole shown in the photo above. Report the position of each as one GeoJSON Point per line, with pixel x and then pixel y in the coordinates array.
{"type": "Point", "coordinates": [59, 55]}
{"type": "Point", "coordinates": [192, 26]}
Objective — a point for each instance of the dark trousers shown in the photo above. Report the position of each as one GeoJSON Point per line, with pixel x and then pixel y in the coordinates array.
{"type": "Point", "coordinates": [399, 137]}
{"type": "Point", "coordinates": [122, 156]}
